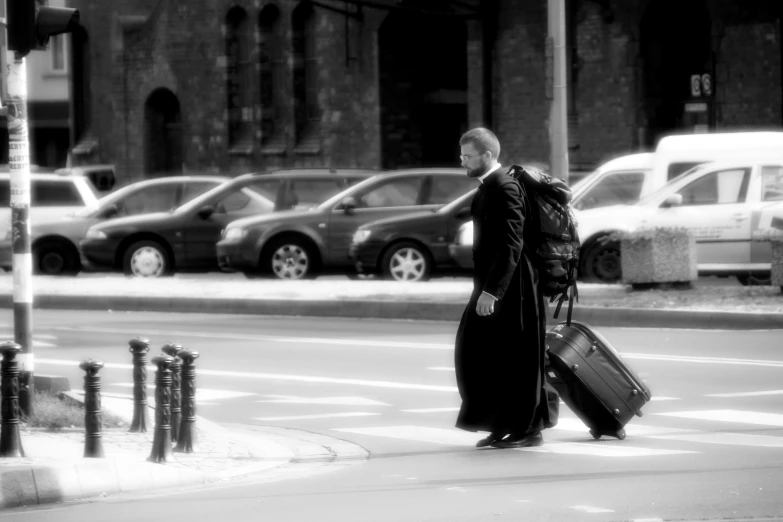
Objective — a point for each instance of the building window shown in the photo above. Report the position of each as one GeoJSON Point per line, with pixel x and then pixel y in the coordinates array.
{"type": "Point", "coordinates": [238, 68]}
{"type": "Point", "coordinates": [271, 72]}
{"type": "Point", "coordinates": [57, 52]}
{"type": "Point", "coordinates": [306, 112]}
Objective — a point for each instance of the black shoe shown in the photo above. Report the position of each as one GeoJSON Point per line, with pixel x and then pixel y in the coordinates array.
{"type": "Point", "coordinates": [524, 441]}
{"type": "Point", "coordinates": [490, 440]}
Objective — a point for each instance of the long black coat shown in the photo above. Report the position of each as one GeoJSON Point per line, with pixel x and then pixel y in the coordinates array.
{"type": "Point", "coordinates": [499, 358]}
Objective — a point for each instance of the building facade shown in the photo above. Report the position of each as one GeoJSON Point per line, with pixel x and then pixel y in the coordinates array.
{"type": "Point", "coordinates": [162, 86]}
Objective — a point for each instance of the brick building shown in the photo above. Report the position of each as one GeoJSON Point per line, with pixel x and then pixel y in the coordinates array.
{"type": "Point", "coordinates": [237, 85]}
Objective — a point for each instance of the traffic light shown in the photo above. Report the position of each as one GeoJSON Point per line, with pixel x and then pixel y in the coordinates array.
{"type": "Point", "coordinates": [30, 25]}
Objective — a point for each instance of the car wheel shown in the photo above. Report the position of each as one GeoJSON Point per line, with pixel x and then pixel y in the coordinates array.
{"type": "Point", "coordinates": [146, 258]}
{"type": "Point", "coordinates": [291, 258]}
{"type": "Point", "coordinates": [752, 280]}
{"type": "Point", "coordinates": [407, 261]}
{"type": "Point", "coordinates": [603, 261]}
{"type": "Point", "coordinates": [56, 258]}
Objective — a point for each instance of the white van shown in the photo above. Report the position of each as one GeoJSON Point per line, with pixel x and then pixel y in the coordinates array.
{"type": "Point", "coordinates": [624, 180]}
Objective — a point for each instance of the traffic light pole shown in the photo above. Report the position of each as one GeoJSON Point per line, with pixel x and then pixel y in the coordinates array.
{"type": "Point", "coordinates": [19, 163]}
{"type": "Point", "coordinates": [558, 114]}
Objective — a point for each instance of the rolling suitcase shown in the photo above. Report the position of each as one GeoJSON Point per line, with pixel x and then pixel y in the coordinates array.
{"type": "Point", "coordinates": [592, 379]}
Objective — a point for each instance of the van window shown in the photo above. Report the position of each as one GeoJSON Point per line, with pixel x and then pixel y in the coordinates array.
{"type": "Point", "coordinates": [675, 169]}
{"type": "Point", "coordinates": [719, 187]}
{"type": "Point", "coordinates": [56, 194]}
{"type": "Point", "coordinates": [616, 188]}
{"type": "Point", "coordinates": [772, 183]}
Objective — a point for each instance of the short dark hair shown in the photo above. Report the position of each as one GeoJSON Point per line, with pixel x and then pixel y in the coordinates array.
{"type": "Point", "coordinates": [484, 140]}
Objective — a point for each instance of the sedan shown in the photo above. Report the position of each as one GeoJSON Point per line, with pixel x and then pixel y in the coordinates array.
{"type": "Point", "coordinates": [296, 245]}
{"type": "Point", "coordinates": [55, 241]}
{"type": "Point", "coordinates": [153, 245]}
{"type": "Point", "coordinates": [410, 248]}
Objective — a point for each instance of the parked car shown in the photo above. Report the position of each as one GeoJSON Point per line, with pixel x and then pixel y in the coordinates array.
{"type": "Point", "coordinates": [157, 244]}
{"type": "Point", "coordinates": [410, 247]}
{"type": "Point", "coordinates": [296, 245]}
{"type": "Point", "coordinates": [52, 197]}
{"type": "Point", "coordinates": [629, 178]}
{"type": "Point", "coordinates": [721, 203]}
{"type": "Point", "coordinates": [55, 242]}
{"type": "Point", "coordinates": [461, 247]}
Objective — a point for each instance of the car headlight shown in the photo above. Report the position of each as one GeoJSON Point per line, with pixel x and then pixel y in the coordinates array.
{"type": "Point", "coordinates": [360, 236]}
{"type": "Point", "coordinates": [234, 233]}
{"type": "Point", "coordinates": [95, 234]}
{"type": "Point", "coordinates": [465, 236]}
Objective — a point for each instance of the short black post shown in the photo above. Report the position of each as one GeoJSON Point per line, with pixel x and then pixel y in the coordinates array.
{"type": "Point", "coordinates": [141, 417]}
{"type": "Point", "coordinates": [161, 441]}
{"type": "Point", "coordinates": [10, 442]}
{"type": "Point", "coordinates": [93, 442]}
{"type": "Point", "coordinates": [186, 442]}
{"type": "Point", "coordinates": [173, 349]}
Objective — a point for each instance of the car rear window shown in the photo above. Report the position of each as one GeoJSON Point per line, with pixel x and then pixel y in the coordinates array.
{"type": "Point", "coordinates": [53, 193]}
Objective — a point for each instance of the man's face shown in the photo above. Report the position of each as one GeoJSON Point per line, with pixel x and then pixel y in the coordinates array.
{"type": "Point", "coordinates": [474, 162]}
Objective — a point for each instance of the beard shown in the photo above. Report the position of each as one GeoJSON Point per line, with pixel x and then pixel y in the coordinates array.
{"type": "Point", "coordinates": [478, 171]}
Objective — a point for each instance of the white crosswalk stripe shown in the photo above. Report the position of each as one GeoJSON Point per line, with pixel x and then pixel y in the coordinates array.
{"type": "Point", "coordinates": [736, 416]}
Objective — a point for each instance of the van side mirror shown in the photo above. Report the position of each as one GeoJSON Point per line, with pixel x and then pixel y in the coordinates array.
{"type": "Point", "coordinates": [349, 204]}
{"type": "Point", "coordinates": [206, 211]}
{"type": "Point", "coordinates": [672, 200]}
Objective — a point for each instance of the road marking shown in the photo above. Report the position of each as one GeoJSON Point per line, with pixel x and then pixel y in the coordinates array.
{"type": "Point", "coordinates": [746, 394]}
{"type": "Point", "coordinates": [736, 416]}
{"type": "Point", "coordinates": [442, 368]}
{"type": "Point", "coordinates": [431, 410]}
{"type": "Point", "coordinates": [733, 439]}
{"type": "Point", "coordinates": [343, 401]}
{"type": "Point", "coordinates": [461, 438]}
{"type": "Point", "coordinates": [319, 416]}
{"type": "Point", "coordinates": [277, 377]}
{"type": "Point", "coordinates": [703, 360]}
{"type": "Point", "coordinates": [591, 509]}
{"type": "Point", "coordinates": [168, 334]}
{"type": "Point", "coordinates": [665, 399]}
{"type": "Point", "coordinates": [635, 430]}
{"type": "Point", "coordinates": [206, 394]}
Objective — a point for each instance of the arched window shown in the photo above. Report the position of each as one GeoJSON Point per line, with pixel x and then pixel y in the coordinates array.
{"type": "Point", "coordinates": [238, 69]}
{"type": "Point", "coordinates": [306, 111]}
{"type": "Point", "coordinates": [271, 72]}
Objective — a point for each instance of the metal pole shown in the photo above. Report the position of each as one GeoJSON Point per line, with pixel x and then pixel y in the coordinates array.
{"type": "Point", "coordinates": [558, 115]}
{"type": "Point", "coordinates": [172, 349]}
{"type": "Point", "coordinates": [10, 443]}
{"type": "Point", "coordinates": [161, 441]}
{"type": "Point", "coordinates": [93, 443]}
{"type": "Point", "coordinates": [186, 439]}
{"type": "Point", "coordinates": [19, 163]}
{"type": "Point", "coordinates": [139, 348]}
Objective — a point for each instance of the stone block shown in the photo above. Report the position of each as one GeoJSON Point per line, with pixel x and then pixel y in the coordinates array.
{"type": "Point", "coordinates": [658, 255]}
{"type": "Point", "coordinates": [50, 383]}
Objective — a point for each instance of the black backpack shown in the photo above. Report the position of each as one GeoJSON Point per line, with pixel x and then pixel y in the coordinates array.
{"type": "Point", "coordinates": [552, 243]}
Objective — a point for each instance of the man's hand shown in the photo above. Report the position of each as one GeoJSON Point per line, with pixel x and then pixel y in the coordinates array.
{"type": "Point", "coordinates": [485, 305]}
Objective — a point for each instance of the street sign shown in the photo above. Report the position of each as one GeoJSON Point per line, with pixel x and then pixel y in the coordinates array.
{"type": "Point", "coordinates": [706, 84]}
{"type": "Point", "coordinates": [695, 85]}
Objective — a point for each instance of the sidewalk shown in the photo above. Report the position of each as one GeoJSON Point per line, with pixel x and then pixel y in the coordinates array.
{"type": "Point", "coordinates": [705, 306]}
{"type": "Point", "coordinates": [55, 470]}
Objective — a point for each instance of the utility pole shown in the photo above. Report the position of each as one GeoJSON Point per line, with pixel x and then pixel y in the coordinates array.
{"type": "Point", "coordinates": [29, 26]}
{"type": "Point", "coordinates": [557, 89]}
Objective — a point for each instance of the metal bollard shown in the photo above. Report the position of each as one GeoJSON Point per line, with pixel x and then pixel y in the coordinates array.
{"type": "Point", "coordinates": [173, 349]}
{"type": "Point", "coordinates": [161, 441]}
{"type": "Point", "coordinates": [93, 443]}
{"type": "Point", "coordinates": [141, 417]}
{"type": "Point", "coordinates": [186, 441]}
{"type": "Point", "coordinates": [10, 442]}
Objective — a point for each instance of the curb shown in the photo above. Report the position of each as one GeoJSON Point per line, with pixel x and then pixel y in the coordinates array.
{"type": "Point", "coordinates": [411, 310]}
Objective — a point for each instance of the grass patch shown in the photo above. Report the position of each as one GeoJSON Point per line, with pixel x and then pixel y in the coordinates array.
{"type": "Point", "coordinates": [53, 413]}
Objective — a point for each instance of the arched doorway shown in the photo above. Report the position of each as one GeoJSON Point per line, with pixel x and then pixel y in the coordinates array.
{"type": "Point", "coordinates": [163, 133]}
{"type": "Point", "coordinates": [676, 43]}
{"type": "Point", "coordinates": [423, 89]}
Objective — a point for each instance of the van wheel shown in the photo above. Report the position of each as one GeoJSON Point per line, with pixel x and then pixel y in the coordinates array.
{"type": "Point", "coordinates": [603, 261]}
{"type": "Point", "coordinates": [56, 258]}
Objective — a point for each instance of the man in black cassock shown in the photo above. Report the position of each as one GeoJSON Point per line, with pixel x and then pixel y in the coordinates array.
{"type": "Point", "coordinates": [499, 355]}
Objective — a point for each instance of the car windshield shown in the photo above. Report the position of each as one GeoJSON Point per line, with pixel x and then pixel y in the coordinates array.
{"type": "Point", "coordinates": [457, 203]}
{"type": "Point", "coordinates": [331, 202]}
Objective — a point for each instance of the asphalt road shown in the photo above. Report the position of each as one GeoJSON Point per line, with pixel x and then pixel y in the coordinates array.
{"type": "Point", "coordinates": [709, 447]}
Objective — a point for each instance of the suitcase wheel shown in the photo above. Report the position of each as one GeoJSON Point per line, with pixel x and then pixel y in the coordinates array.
{"type": "Point", "coordinates": [596, 435]}
{"type": "Point", "coordinates": [620, 434]}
